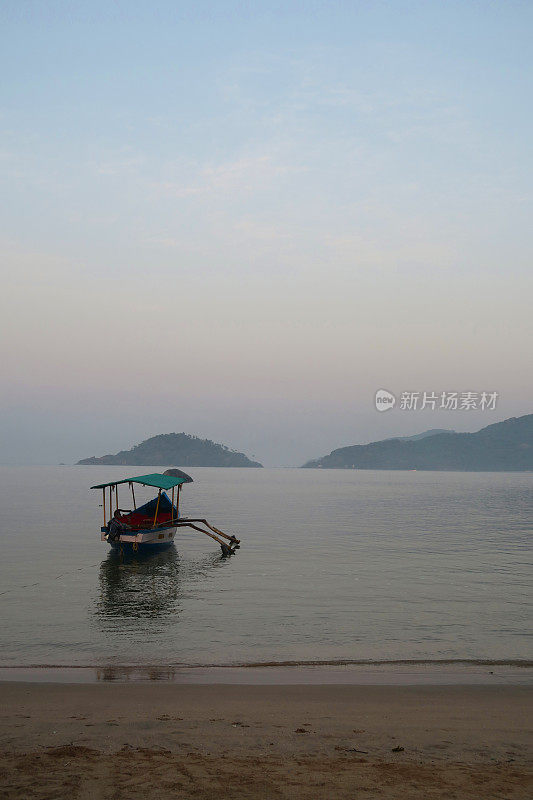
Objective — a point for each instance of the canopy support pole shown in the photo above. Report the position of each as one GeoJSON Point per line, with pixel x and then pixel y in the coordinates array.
{"type": "Point", "coordinates": [103, 493]}
{"type": "Point", "coordinates": [157, 507]}
{"type": "Point", "coordinates": [133, 495]}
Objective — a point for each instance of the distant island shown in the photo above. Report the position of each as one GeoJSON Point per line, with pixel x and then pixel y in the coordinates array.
{"type": "Point", "coordinates": [169, 449]}
{"type": "Point", "coordinates": [504, 446]}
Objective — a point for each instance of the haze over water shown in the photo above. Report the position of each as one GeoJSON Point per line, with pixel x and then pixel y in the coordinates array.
{"type": "Point", "coordinates": [333, 565]}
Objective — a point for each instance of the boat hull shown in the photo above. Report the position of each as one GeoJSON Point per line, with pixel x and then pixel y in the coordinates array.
{"type": "Point", "coordinates": [145, 540]}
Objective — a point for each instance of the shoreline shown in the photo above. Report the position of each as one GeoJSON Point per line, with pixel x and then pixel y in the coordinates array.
{"type": "Point", "coordinates": [404, 672]}
{"type": "Point", "coordinates": [334, 662]}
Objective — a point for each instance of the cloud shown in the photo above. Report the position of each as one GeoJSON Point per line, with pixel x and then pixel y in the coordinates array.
{"type": "Point", "coordinates": [120, 166]}
{"type": "Point", "coordinates": [239, 176]}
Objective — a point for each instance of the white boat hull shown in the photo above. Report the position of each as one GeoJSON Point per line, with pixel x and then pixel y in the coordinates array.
{"type": "Point", "coordinates": [145, 539]}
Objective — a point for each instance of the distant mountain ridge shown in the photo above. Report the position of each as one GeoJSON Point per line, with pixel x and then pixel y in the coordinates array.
{"type": "Point", "coordinates": [423, 435]}
{"type": "Point", "coordinates": [169, 449]}
{"type": "Point", "coordinates": [503, 446]}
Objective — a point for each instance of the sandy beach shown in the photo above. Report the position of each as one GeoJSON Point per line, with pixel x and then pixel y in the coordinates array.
{"type": "Point", "coordinates": [183, 741]}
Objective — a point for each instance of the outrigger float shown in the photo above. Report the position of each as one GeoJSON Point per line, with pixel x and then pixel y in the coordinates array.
{"type": "Point", "coordinates": [152, 526]}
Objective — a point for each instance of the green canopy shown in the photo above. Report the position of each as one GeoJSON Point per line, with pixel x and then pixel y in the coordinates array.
{"type": "Point", "coordinates": [156, 479]}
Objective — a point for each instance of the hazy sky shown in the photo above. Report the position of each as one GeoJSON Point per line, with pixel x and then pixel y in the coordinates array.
{"type": "Point", "coordinates": [240, 220]}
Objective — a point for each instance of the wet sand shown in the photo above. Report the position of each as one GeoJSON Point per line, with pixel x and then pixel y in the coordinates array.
{"type": "Point", "coordinates": [272, 741]}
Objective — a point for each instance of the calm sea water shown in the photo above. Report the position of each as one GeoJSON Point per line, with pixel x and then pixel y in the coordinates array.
{"type": "Point", "coordinates": [333, 565]}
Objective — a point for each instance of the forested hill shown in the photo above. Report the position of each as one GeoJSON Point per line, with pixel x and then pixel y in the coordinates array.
{"type": "Point", "coordinates": [504, 446]}
{"type": "Point", "coordinates": [176, 449]}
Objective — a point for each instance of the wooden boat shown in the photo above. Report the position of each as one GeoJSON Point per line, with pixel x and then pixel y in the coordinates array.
{"type": "Point", "coordinates": [153, 526]}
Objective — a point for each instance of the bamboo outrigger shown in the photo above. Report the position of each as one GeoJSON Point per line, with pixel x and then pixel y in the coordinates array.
{"type": "Point", "coordinates": [153, 525]}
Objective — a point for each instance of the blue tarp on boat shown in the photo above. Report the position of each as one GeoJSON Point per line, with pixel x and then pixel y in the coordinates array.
{"type": "Point", "coordinates": [165, 506]}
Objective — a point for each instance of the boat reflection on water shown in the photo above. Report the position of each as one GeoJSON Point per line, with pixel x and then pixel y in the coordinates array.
{"type": "Point", "coordinates": [135, 674]}
{"type": "Point", "coordinates": [147, 587]}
